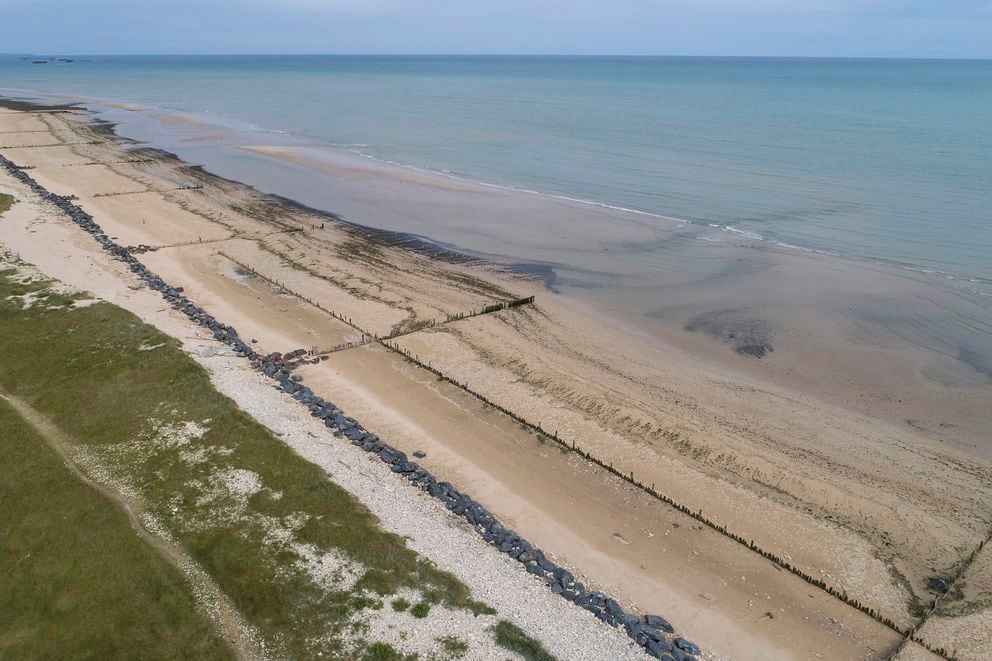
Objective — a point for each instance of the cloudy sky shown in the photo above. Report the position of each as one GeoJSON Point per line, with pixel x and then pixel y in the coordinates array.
{"type": "Point", "coordinates": [887, 28]}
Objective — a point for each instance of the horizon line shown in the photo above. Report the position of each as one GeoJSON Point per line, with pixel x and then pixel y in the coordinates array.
{"type": "Point", "coordinates": [509, 55]}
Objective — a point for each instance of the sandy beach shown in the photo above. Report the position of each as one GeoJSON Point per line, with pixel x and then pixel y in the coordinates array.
{"type": "Point", "coordinates": [862, 468]}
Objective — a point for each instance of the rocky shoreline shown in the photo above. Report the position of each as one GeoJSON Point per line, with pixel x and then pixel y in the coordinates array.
{"type": "Point", "coordinates": [651, 632]}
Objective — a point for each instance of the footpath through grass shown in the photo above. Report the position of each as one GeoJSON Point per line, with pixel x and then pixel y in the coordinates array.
{"type": "Point", "coordinates": [75, 580]}
{"type": "Point", "coordinates": [291, 550]}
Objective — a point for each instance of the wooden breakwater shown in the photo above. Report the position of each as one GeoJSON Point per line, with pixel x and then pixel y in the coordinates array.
{"type": "Point", "coordinates": [489, 309]}
{"type": "Point", "coordinates": [310, 301]}
{"type": "Point", "coordinates": [458, 316]}
{"type": "Point", "coordinates": [53, 144]}
{"type": "Point", "coordinates": [629, 477]}
{"type": "Point", "coordinates": [120, 162]}
{"type": "Point", "coordinates": [495, 307]}
{"type": "Point", "coordinates": [722, 529]}
{"type": "Point", "coordinates": [86, 222]}
{"type": "Point", "coordinates": [911, 635]}
{"type": "Point", "coordinates": [343, 346]}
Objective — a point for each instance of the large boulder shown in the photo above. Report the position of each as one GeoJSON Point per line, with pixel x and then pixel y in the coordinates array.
{"type": "Point", "coordinates": [651, 632]}
{"type": "Point", "coordinates": [629, 620]}
{"type": "Point", "coordinates": [658, 622]}
{"type": "Point", "coordinates": [686, 646]}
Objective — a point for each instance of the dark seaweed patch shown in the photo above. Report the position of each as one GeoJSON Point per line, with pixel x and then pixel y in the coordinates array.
{"type": "Point", "coordinates": [32, 106]}
{"type": "Point", "coordinates": [753, 350]}
{"type": "Point", "coordinates": [746, 335]}
{"type": "Point", "coordinates": [543, 272]}
{"type": "Point", "coordinates": [979, 361]}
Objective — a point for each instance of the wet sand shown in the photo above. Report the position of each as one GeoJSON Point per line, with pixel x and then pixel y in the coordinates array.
{"type": "Point", "coordinates": [835, 484]}
{"type": "Point", "coordinates": [893, 344]}
{"type": "Point", "coordinates": [647, 553]}
{"type": "Point", "coordinates": [963, 622]}
{"type": "Point", "coordinates": [847, 499]}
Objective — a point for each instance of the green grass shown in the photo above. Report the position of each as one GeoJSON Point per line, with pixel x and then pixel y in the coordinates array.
{"type": "Point", "coordinates": [361, 602]}
{"type": "Point", "coordinates": [384, 652]}
{"type": "Point", "coordinates": [400, 605]}
{"type": "Point", "coordinates": [479, 608]}
{"type": "Point", "coordinates": [90, 370]}
{"type": "Point", "coordinates": [6, 201]}
{"type": "Point", "coordinates": [453, 645]}
{"type": "Point", "coordinates": [511, 637]}
{"type": "Point", "coordinates": [421, 610]}
{"type": "Point", "coordinates": [78, 582]}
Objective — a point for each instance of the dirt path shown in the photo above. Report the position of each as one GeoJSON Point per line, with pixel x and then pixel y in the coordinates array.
{"type": "Point", "coordinates": [211, 599]}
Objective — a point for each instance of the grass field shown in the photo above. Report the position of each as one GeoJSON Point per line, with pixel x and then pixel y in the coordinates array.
{"type": "Point", "coordinates": [293, 552]}
{"type": "Point", "coordinates": [77, 581]}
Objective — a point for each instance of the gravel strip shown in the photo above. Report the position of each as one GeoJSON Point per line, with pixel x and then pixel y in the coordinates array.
{"type": "Point", "coordinates": [431, 530]}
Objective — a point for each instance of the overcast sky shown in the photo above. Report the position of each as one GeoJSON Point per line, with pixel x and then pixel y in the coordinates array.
{"type": "Point", "coordinates": [886, 28]}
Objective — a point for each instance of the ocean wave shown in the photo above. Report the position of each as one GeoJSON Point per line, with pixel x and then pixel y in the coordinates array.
{"type": "Point", "coordinates": [751, 235]}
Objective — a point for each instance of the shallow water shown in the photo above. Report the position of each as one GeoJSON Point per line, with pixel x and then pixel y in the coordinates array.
{"type": "Point", "coordinates": [880, 159]}
{"type": "Point", "coordinates": [822, 224]}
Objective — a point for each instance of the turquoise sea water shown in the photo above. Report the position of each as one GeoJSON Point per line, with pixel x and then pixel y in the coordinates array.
{"type": "Point", "coordinates": [873, 159]}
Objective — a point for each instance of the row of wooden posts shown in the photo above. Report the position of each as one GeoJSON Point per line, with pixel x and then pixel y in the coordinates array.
{"type": "Point", "coordinates": [628, 477]}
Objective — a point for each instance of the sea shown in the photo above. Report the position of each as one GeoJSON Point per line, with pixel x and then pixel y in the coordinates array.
{"type": "Point", "coordinates": [888, 161]}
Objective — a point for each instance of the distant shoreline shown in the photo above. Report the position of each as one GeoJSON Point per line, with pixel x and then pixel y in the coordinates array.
{"type": "Point", "coordinates": [507, 56]}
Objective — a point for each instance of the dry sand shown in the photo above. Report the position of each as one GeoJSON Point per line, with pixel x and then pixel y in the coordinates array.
{"type": "Point", "coordinates": [645, 552]}
{"type": "Point", "coordinates": [867, 505]}
{"type": "Point", "coordinates": [42, 236]}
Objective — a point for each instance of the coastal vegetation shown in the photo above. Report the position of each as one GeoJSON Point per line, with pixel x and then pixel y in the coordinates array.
{"type": "Point", "coordinates": [512, 638]}
{"type": "Point", "coordinates": [453, 645]}
{"type": "Point", "coordinates": [86, 584]}
{"type": "Point", "coordinates": [293, 552]}
{"type": "Point", "coordinates": [6, 201]}
{"type": "Point", "coordinates": [385, 652]}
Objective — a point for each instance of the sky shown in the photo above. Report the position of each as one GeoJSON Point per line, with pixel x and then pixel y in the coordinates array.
{"type": "Point", "coordinates": [815, 28]}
